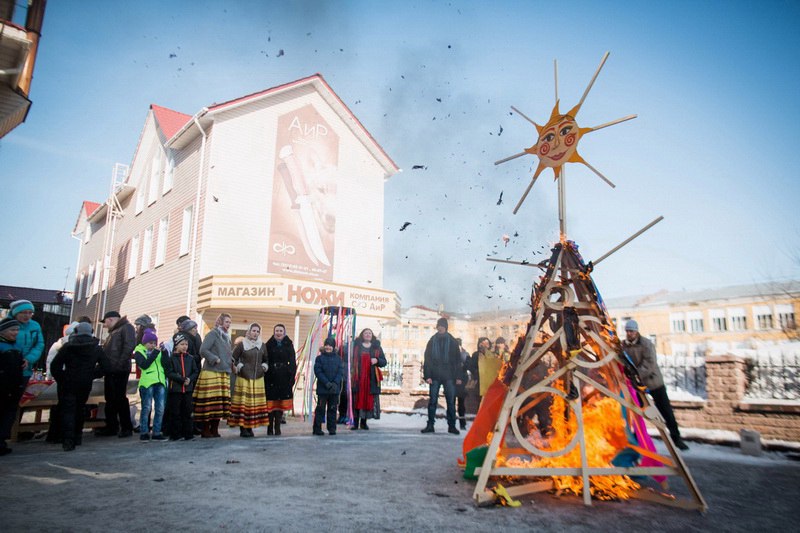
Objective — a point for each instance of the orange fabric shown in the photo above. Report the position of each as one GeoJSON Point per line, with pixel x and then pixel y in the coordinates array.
{"type": "Point", "coordinates": [486, 418]}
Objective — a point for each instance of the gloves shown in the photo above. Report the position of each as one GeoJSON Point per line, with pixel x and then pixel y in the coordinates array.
{"type": "Point", "coordinates": [239, 367]}
{"type": "Point", "coordinates": [331, 386]}
{"type": "Point", "coordinates": [264, 366]}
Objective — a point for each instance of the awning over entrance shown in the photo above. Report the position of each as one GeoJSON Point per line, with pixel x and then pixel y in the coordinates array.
{"type": "Point", "coordinates": [279, 292]}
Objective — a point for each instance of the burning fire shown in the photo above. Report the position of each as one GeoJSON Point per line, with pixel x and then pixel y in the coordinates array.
{"type": "Point", "coordinates": [604, 436]}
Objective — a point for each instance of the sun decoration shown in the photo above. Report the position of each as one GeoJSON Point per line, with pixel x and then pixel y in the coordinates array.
{"type": "Point", "coordinates": [558, 139]}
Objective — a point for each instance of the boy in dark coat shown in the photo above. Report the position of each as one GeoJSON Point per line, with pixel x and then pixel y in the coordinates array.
{"type": "Point", "coordinates": [182, 372]}
{"type": "Point", "coordinates": [79, 362]}
{"type": "Point", "coordinates": [329, 371]}
{"type": "Point", "coordinates": [12, 382]}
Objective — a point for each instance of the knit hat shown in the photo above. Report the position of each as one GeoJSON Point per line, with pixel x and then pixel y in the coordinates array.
{"type": "Point", "coordinates": [149, 336]}
{"type": "Point", "coordinates": [143, 321]}
{"type": "Point", "coordinates": [8, 323]}
{"type": "Point", "coordinates": [330, 341]}
{"type": "Point", "coordinates": [17, 306]}
{"type": "Point", "coordinates": [178, 338]}
{"type": "Point", "coordinates": [187, 325]}
{"type": "Point", "coordinates": [83, 329]}
{"type": "Point", "coordinates": [111, 314]}
{"type": "Point", "coordinates": [442, 322]}
{"type": "Point", "coordinates": [631, 325]}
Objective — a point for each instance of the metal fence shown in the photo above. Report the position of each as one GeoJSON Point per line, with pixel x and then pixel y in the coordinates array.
{"type": "Point", "coordinates": [773, 375]}
{"type": "Point", "coordinates": [684, 376]}
{"type": "Point", "coordinates": [393, 374]}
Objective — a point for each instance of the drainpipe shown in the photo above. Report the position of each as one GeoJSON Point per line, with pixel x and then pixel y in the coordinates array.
{"type": "Point", "coordinates": [196, 216]}
{"type": "Point", "coordinates": [79, 238]}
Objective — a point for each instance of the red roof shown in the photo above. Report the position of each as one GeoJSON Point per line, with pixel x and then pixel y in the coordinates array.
{"type": "Point", "coordinates": [170, 121]}
{"type": "Point", "coordinates": [90, 207]}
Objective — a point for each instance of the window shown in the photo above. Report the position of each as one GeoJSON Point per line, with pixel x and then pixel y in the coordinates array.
{"type": "Point", "coordinates": [134, 257]}
{"type": "Point", "coordinates": [140, 198]}
{"type": "Point", "coordinates": [79, 292]}
{"type": "Point", "coordinates": [785, 314]}
{"type": "Point", "coordinates": [763, 316]}
{"type": "Point", "coordinates": [87, 234]}
{"type": "Point", "coordinates": [186, 230]}
{"type": "Point", "coordinates": [147, 248]}
{"type": "Point", "coordinates": [89, 282]}
{"type": "Point", "coordinates": [155, 177]}
{"type": "Point", "coordinates": [678, 349]}
{"type": "Point", "coordinates": [169, 173]}
{"type": "Point", "coordinates": [96, 277]}
{"type": "Point", "coordinates": [161, 245]}
{"type": "Point", "coordinates": [737, 318]}
{"type": "Point", "coordinates": [106, 271]}
{"type": "Point", "coordinates": [677, 323]}
{"type": "Point", "coordinates": [695, 319]}
{"type": "Point", "coordinates": [718, 320]}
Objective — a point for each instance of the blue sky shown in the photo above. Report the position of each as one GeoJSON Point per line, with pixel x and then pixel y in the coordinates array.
{"type": "Point", "coordinates": [715, 86]}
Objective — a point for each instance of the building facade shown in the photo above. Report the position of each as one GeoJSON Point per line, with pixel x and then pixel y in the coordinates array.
{"type": "Point", "coordinates": [267, 207]}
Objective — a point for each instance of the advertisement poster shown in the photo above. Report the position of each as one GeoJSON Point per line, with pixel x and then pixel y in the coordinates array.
{"type": "Point", "coordinates": [303, 225]}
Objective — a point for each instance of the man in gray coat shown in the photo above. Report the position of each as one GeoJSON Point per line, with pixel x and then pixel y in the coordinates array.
{"type": "Point", "coordinates": [643, 354]}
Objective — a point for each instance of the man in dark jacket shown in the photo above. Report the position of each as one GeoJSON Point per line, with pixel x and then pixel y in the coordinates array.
{"type": "Point", "coordinates": [118, 348]}
{"type": "Point", "coordinates": [442, 368]}
{"type": "Point", "coordinates": [329, 371]}
{"type": "Point", "coordinates": [643, 354]}
{"type": "Point", "coordinates": [74, 368]}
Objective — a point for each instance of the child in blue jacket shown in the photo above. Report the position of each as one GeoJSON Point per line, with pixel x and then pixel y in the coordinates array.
{"type": "Point", "coordinates": [329, 371]}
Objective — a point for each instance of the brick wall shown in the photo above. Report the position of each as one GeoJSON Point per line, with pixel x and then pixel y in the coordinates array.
{"type": "Point", "coordinates": [727, 409]}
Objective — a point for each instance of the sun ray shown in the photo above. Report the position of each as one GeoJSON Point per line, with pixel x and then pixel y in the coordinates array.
{"type": "Point", "coordinates": [530, 185]}
{"type": "Point", "coordinates": [523, 115]}
{"type": "Point", "coordinates": [599, 174]}
{"type": "Point", "coordinates": [589, 87]}
{"type": "Point", "coordinates": [607, 124]}
{"type": "Point", "coordinates": [509, 158]}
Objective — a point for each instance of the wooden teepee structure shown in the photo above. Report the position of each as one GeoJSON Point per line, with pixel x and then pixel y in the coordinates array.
{"type": "Point", "coordinates": [568, 412]}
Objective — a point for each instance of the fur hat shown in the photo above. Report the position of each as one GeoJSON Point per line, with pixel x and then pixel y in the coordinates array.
{"type": "Point", "coordinates": [17, 306]}
{"type": "Point", "coordinates": [145, 321]}
{"type": "Point", "coordinates": [187, 325]}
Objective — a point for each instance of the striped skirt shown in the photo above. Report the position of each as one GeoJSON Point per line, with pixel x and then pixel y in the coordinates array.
{"type": "Point", "coordinates": [248, 405]}
{"type": "Point", "coordinates": [280, 405]}
{"type": "Point", "coordinates": [212, 396]}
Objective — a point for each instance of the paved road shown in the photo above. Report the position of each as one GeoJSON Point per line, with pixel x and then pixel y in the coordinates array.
{"type": "Point", "coordinates": [391, 478]}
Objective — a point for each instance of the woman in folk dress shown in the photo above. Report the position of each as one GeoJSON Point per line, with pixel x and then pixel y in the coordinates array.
{"type": "Point", "coordinates": [212, 394]}
{"type": "Point", "coordinates": [249, 404]}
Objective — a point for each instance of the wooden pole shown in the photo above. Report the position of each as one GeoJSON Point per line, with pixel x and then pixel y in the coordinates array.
{"type": "Point", "coordinates": [555, 76]}
{"type": "Point", "coordinates": [521, 263]}
{"type": "Point", "coordinates": [586, 92]}
{"type": "Point", "coordinates": [509, 158]}
{"type": "Point", "coordinates": [523, 115]}
{"type": "Point", "coordinates": [562, 205]}
{"type": "Point", "coordinates": [607, 124]}
{"type": "Point", "coordinates": [629, 239]}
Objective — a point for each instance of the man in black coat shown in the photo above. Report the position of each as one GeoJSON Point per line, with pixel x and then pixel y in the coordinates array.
{"type": "Point", "coordinates": [118, 348]}
{"type": "Point", "coordinates": [74, 367]}
{"type": "Point", "coordinates": [442, 368]}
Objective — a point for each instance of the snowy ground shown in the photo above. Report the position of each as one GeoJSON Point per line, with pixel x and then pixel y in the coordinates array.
{"type": "Point", "coordinates": [391, 478]}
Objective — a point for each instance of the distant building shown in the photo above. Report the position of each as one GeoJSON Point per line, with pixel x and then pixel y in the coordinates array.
{"type": "Point", "coordinates": [268, 207]}
{"type": "Point", "coordinates": [20, 30]}
{"type": "Point", "coordinates": [50, 309]}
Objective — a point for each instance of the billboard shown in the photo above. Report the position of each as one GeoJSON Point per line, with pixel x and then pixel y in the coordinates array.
{"type": "Point", "coordinates": [303, 224]}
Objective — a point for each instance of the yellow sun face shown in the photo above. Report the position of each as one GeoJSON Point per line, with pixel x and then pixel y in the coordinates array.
{"type": "Point", "coordinates": [558, 141]}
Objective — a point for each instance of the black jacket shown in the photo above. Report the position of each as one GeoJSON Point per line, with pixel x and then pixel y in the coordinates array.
{"type": "Point", "coordinates": [281, 369]}
{"type": "Point", "coordinates": [376, 352]}
{"type": "Point", "coordinates": [177, 372]}
{"type": "Point", "coordinates": [119, 346]}
{"type": "Point", "coordinates": [79, 362]}
{"type": "Point", "coordinates": [442, 359]}
{"type": "Point", "coordinates": [329, 368]}
{"type": "Point", "coordinates": [12, 384]}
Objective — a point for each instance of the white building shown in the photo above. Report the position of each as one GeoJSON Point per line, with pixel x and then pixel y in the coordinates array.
{"type": "Point", "coordinates": [267, 207]}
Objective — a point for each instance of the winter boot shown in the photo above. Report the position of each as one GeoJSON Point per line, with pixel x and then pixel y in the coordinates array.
{"type": "Point", "coordinates": [215, 428]}
{"type": "Point", "coordinates": [363, 424]}
{"type": "Point", "coordinates": [278, 416]}
{"type": "Point", "coordinates": [428, 429]}
{"type": "Point", "coordinates": [243, 432]}
{"type": "Point", "coordinates": [205, 430]}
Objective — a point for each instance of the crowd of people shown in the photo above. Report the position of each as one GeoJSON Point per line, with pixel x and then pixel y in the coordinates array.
{"type": "Point", "coordinates": [188, 385]}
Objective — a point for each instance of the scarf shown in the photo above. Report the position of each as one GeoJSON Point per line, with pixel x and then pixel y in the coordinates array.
{"type": "Point", "coordinates": [247, 344]}
{"type": "Point", "coordinates": [364, 400]}
{"type": "Point", "coordinates": [225, 334]}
